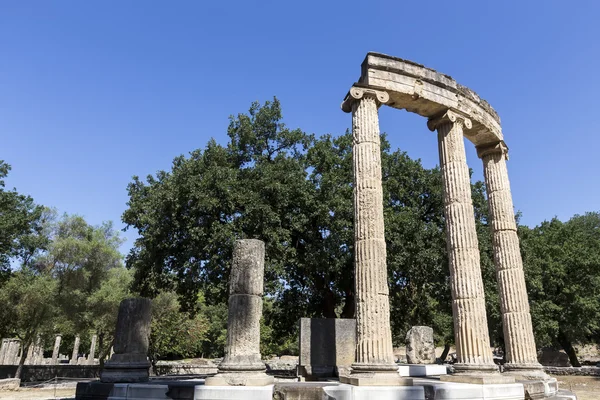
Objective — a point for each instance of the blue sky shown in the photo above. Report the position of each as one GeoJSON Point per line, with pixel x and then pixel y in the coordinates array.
{"type": "Point", "coordinates": [94, 92]}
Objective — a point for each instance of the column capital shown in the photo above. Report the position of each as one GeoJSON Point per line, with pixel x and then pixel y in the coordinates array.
{"type": "Point", "coordinates": [358, 92]}
{"type": "Point", "coordinates": [492, 148]}
{"type": "Point", "coordinates": [449, 116]}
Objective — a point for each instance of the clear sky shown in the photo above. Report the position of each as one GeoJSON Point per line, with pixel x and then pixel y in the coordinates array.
{"type": "Point", "coordinates": [94, 92]}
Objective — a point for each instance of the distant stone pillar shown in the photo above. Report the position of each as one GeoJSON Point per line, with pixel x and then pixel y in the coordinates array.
{"type": "Point", "coordinates": [92, 354]}
{"type": "Point", "coordinates": [242, 364]}
{"type": "Point", "coordinates": [56, 349]}
{"type": "Point", "coordinates": [3, 350]}
{"type": "Point", "coordinates": [38, 352]}
{"type": "Point", "coordinates": [12, 355]}
{"type": "Point", "coordinates": [29, 359]}
{"type": "Point", "coordinates": [468, 299]}
{"type": "Point", "coordinates": [374, 360]}
{"type": "Point", "coordinates": [130, 362]}
{"type": "Point", "coordinates": [75, 351]}
{"type": "Point", "coordinates": [521, 354]}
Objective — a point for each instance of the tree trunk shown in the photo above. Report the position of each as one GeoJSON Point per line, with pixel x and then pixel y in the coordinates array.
{"type": "Point", "coordinates": [21, 362]}
{"type": "Point", "coordinates": [349, 307]}
{"type": "Point", "coordinates": [445, 353]}
{"type": "Point", "coordinates": [329, 304]}
{"type": "Point", "coordinates": [569, 349]}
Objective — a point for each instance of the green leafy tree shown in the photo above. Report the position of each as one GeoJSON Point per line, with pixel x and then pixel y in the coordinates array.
{"type": "Point", "coordinates": [294, 192]}
{"type": "Point", "coordinates": [175, 334]}
{"type": "Point", "coordinates": [19, 220]}
{"type": "Point", "coordinates": [562, 266]}
{"type": "Point", "coordinates": [28, 307]}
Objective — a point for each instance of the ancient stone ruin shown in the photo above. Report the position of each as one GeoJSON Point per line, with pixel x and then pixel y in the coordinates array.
{"type": "Point", "coordinates": [455, 112]}
{"type": "Point", "coordinates": [420, 347]}
{"type": "Point", "coordinates": [129, 363]}
{"type": "Point", "coordinates": [242, 365]}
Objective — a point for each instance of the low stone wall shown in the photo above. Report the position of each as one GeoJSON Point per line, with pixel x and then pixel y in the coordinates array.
{"type": "Point", "coordinates": [39, 373]}
{"type": "Point", "coordinates": [582, 371]}
{"type": "Point", "coordinates": [185, 369]}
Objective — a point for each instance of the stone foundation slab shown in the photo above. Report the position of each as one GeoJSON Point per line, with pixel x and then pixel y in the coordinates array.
{"type": "Point", "coordinates": [439, 390]}
{"type": "Point", "coordinates": [349, 392]}
{"type": "Point", "coordinates": [487, 379]}
{"type": "Point", "coordinates": [234, 392]}
{"type": "Point", "coordinates": [422, 370]}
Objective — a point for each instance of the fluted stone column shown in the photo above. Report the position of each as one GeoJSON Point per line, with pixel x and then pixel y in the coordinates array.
{"type": "Point", "coordinates": [521, 354]}
{"type": "Point", "coordinates": [374, 363]}
{"type": "Point", "coordinates": [90, 359]}
{"type": "Point", "coordinates": [468, 299]}
{"type": "Point", "coordinates": [242, 364]}
{"type": "Point", "coordinates": [56, 349]}
{"type": "Point", "coordinates": [75, 351]}
{"type": "Point", "coordinates": [130, 362]}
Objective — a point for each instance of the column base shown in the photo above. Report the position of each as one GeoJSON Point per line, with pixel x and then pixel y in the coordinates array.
{"type": "Point", "coordinates": [240, 378]}
{"type": "Point", "coordinates": [123, 372]}
{"type": "Point", "coordinates": [479, 374]}
{"type": "Point", "coordinates": [478, 379]}
{"type": "Point", "coordinates": [375, 375]}
{"type": "Point", "coordinates": [376, 379]}
{"type": "Point", "coordinates": [526, 371]}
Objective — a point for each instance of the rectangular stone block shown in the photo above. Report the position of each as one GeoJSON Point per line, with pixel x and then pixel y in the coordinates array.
{"type": "Point", "coordinates": [327, 346]}
{"type": "Point", "coordinates": [234, 392]}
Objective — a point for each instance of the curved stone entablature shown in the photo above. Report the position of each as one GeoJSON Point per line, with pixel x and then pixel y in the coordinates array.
{"type": "Point", "coordinates": [424, 91]}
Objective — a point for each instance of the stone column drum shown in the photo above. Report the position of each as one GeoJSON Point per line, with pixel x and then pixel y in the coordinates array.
{"type": "Point", "coordinates": [468, 299]}
{"type": "Point", "coordinates": [56, 349]}
{"type": "Point", "coordinates": [90, 359]}
{"type": "Point", "coordinates": [75, 351]}
{"type": "Point", "coordinates": [374, 363]}
{"type": "Point", "coordinates": [242, 364]}
{"type": "Point", "coordinates": [521, 354]}
{"type": "Point", "coordinates": [130, 363]}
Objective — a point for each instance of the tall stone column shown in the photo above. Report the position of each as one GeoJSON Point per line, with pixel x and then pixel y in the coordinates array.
{"type": "Point", "coordinates": [130, 362]}
{"type": "Point", "coordinates": [92, 354]}
{"type": "Point", "coordinates": [75, 351]}
{"type": "Point", "coordinates": [242, 364]}
{"type": "Point", "coordinates": [468, 299]}
{"type": "Point", "coordinates": [521, 354]}
{"type": "Point", "coordinates": [56, 349]}
{"type": "Point", "coordinates": [374, 363]}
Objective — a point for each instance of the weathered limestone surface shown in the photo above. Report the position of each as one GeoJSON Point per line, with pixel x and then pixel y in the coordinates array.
{"type": "Point", "coordinates": [90, 359]}
{"type": "Point", "coordinates": [11, 357]}
{"type": "Point", "coordinates": [130, 363]}
{"type": "Point", "coordinates": [242, 364]}
{"type": "Point", "coordinates": [327, 347]}
{"type": "Point", "coordinates": [468, 301]}
{"type": "Point", "coordinates": [56, 349]}
{"type": "Point", "coordinates": [521, 354]}
{"type": "Point", "coordinates": [420, 347]}
{"type": "Point", "coordinates": [374, 363]}
{"type": "Point", "coordinates": [426, 92]}
{"type": "Point", "coordinates": [3, 350]}
{"type": "Point", "coordinates": [75, 351]}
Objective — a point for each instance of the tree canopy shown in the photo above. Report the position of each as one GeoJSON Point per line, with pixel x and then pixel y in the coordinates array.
{"type": "Point", "coordinates": [293, 191]}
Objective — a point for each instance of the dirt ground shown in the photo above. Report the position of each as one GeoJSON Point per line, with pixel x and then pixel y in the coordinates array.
{"type": "Point", "coordinates": [37, 394]}
{"type": "Point", "coordinates": [585, 387]}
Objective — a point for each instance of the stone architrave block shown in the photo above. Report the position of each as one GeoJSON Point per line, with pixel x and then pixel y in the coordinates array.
{"type": "Point", "coordinates": [420, 347]}
{"type": "Point", "coordinates": [327, 346]}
